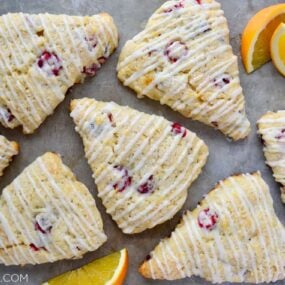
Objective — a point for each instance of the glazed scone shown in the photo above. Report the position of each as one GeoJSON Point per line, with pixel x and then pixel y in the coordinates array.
{"type": "Point", "coordinates": [184, 60]}
{"type": "Point", "coordinates": [42, 56]}
{"type": "Point", "coordinates": [142, 164]}
{"type": "Point", "coordinates": [47, 215]}
{"type": "Point", "coordinates": [271, 127]}
{"type": "Point", "coordinates": [234, 235]}
{"type": "Point", "coordinates": [8, 149]}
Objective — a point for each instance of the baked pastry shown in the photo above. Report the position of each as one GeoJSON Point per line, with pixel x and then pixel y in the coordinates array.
{"type": "Point", "coordinates": [184, 60]}
{"type": "Point", "coordinates": [42, 56]}
{"type": "Point", "coordinates": [47, 215]}
{"type": "Point", "coordinates": [271, 127]}
{"type": "Point", "coordinates": [8, 149]}
{"type": "Point", "coordinates": [142, 164]}
{"type": "Point", "coordinates": [232, 236]}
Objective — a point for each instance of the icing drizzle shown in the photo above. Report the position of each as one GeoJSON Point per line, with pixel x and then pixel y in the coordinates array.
{"type": "Point", "coordinates": [33, 87]}
{"type": "Point", "coordinates": [247, 244]}
{"type": "Point", "coordinates": [25, 238]}
{"type": "Point", "coordinates": [184, 60]}
{"type": "Point", "coordinates": [132, 141]}
{"type": "Point", "coordinates": [271, 127]}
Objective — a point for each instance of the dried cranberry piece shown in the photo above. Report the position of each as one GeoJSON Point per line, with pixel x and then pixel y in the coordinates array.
{"type": "Point", "coordinates": [43, 223]}
{"type": "Point", "coordinates": [148, 257]}
{"type": "Point", "coordinates": [148, 186]}
{"type": "Point", "coordinates": [281, 135]}
{"type": "Point", "coordinates": [92, 42]}
{"type": "Point", "coordinates": [38, 228]}
{"type": "Point", "coordinates": [110, 117]}
{"type": "Point", "coordinates": [226, 80]}
{"type": "Point", "coordinates": [50, 63]}
{"type": "Point", "coordinates": [151, 52]}
{"type": "Point", "coordinates": [222, 80]}
{"type": "Point", "coordinates": [207, 219]}
{"type": "Point", "coordinates": [6, 114]}
{"type": "Point", "coordinates": [175, 50]}
{"type": "Point", "coordinates": [36, 248]}
{"type": "Point", "coordinates": [125, 180]}
{"type": "Point", "coordinates": [207, 30]}
{"type": "Point", "coordinates": [199, 2]}
{"type": "Point", "coordinates": [102, 60]}
{"type": "Point", "coordinates": [94, 67]}
{"type": "Point", "coordinates": [179, 5]}
{"type": "Point", "coordinates": [177, 129]}
{"type": "Point", "coordinates": [91, 70]}
{"type": "Point", "coordinates": [10, 117]}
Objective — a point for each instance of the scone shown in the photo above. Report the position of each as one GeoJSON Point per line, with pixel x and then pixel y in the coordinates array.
{"type": "Point", "coordinates": [8, 149]}
{"type": "Point", "coordinates": [42, 56]}
{"type": "Point", "coordinates": [47, 215]}
{"type": "Point", "coordinates": [142, 164]}
{"type": "Point", "coordinates": [271, 127]}
{"type": "Point", "coordinates": [184, 60]}
{"type": "Point", "coordinates": [234, 235]}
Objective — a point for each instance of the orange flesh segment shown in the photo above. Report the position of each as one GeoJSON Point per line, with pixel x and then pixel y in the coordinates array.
{"type": "Point", "coordinates": [261, 53]}
{"type": "Point", "coordinates": [99, 272]}
{"type": "Point", "coordinates": [282, 48]}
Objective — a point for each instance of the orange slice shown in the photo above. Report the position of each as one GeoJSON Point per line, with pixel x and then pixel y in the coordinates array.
{"type": "Point", "coordinates": [108, 270]}
{"type": "Point", "coordinates": [255, 45]}
{"type": "Point", "coordinates": [277, 48]}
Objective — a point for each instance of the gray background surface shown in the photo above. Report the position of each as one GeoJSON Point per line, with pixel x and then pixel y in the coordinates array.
{"type": "Point", "coordinates": [264, 90]}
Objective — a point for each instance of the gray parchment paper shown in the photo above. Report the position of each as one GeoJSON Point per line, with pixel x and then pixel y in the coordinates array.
{"type": "Point", "coordinates": [264, 90]}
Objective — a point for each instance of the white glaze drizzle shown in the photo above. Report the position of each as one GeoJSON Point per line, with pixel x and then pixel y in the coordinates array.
{"type": "Point", "coordinates": [36, 118]}
{"type": "Point", "coordinates": [86, 111]}
{"type": "Point", "coordinates": [242, 250]}
{"type": "Point", "coordinates": [38, 104]}
{"type": "Point", "coordinates": [69, 207]}
{"type": "Point", "coordinates": [22, 222]}
{"type": "Point", "coordinates": [273, 235]}
{"type": "Point", "coordinates": [32, 180]}
{"type": "Point", "coordinates": [42, 103]}
{"type": "Point", "coordinates": [185, 24]}
{"type": "Point", "coordinates": [174, 190]}
{"type": "Point", "coordinates": [7, 151]}
{"type": "Point", "coordinates": [271, 127]}
{"type": "Point", "coordinates": [55, 88]}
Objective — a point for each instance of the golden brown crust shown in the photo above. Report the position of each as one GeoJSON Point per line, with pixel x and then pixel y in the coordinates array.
{"type": "Point", "coordinates": [244, 223]}
{"type": "Point", "coordinates": [153, 161]}
{"type": "Point", "coordinates": [144, 270]}
{"type": "Point", "coordinates": [271, 128]}
{"type": "Point", "coordinates": [51, 61]}
{"type": "Point", "coordinates": [169, 63]}
{"type": "Point", "coordinates": [47, 193]}
{"type": "Point", "coordinates": [15, 146]}
{"type": "Point", "coordinates": [8, 149]}
{"type": "Point", "coordinates": [72, 105]}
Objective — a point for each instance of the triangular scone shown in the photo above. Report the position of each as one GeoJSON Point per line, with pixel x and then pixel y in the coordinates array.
{"type": "Point", "coordinates": [47, 215]}
{"type": "Point", "coordinates": [42, 56]}
{"type": "Point", "coordinates": [184, 60]}
{"type": "Point", "coordinates": [271, 127]}
{"type": "Point", "coordinates": [8, 149]}
{"type": "Point", "coordinates": [233, 235]}
{"type": "Point", "coordinates": [142, 164]}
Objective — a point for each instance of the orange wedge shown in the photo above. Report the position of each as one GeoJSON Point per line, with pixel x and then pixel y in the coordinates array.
{"type": "Point", "coordinates": [108, 270]}
{"type": "Point", "coordinates": [255, 45]}
{"type": "Point", "coordinates": [277, 48]}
